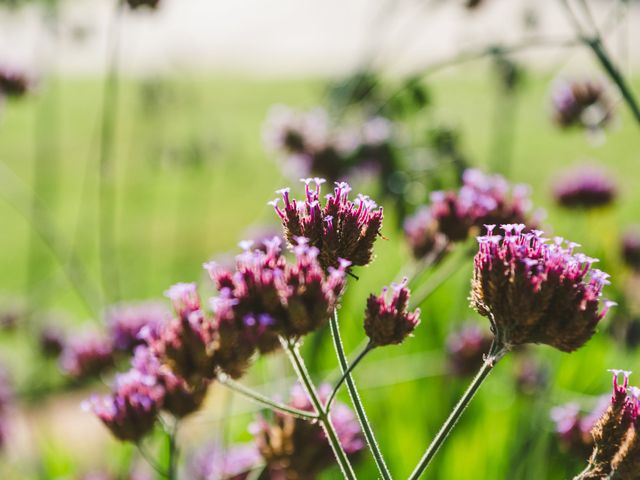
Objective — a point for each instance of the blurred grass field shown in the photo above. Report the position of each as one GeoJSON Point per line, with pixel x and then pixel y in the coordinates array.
{"type": "Point", "coordinates": [192, 175]}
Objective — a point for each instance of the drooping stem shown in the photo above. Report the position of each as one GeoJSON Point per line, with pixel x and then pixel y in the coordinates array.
{"type": "Point", "coordinates": [355, 399]}
{"type": "Point", "coordinates": [495, 354]}
{"type": "Point", "coordinates": [293, 351]}
{"type": "Point", "coordinates": [368, 347]}
{"type": "Point", "coordinates": [263, 400]}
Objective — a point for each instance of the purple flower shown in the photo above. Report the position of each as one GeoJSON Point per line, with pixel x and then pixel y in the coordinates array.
{"type": "Point", "coordinates": [572, 430]}
{"type": "Point", "coordinates": [341, 229]}
{"type": "Point", "coordinates": [585, 187]}
{"type": "Point", "coordinates": [86, 355]}
{"type": "Point", "coordinates": [127, 320]}
{"type": "Point", "coordinates": [130, 411]}
{"type": "Point", "coordinates": [135, 4]}
{"type": "Point", "coordinates": [14, 83]}
{"type": "Point", "coordinates": [213, 462]}
{"type": "Point", "coordinates": [631, 248]}
{"type": "Point", "coordinates": [52, 341]}
{"type": "Point", "coordinates": [423, 235]}
{"type": "Point", "coordinates": [296, 448]}
{"type": "Point", "coordinates": [387, 322]}
{"type": "Point", "coordinates": [466, 349]}
{"type": "Point", "coordinates": [536, 292]}
{"type": "Point", "coordinates": [581, 103]}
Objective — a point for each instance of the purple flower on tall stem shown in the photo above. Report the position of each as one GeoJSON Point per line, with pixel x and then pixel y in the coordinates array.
{"type": "Point", "coordinates": [339, 229]}
{"type": "Point", "coordinates": [387, 321]}
{"type": "Point", "coordinates": [536, 292]}
{"type": "Point", "coordinates": [585, 187]}
{"type": "Point", "coordinates": [86, 355]}
{"type": "Point", "coordinates": [581, 103]}
{"type": "Point", "coordinates": [127, 320]}
{"type": "Point", "coordinates": [130, 411]}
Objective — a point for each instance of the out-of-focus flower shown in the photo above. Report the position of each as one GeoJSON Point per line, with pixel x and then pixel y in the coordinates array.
{"type": "Point", "coordinates": [52, 341]}
{"type": "Point", "coordinates": [585, 187]}
{"type": "Point", "coordinates": [339, 229]}
{"type": "Point", "coordinates": [454, 215]}
{"type": "Point", "coordinates": [466, 349]}
{"type": "Point", "coordinates": [86, 355]}
{"type": "Point", "coordinates": [135, 4]}
{"type": "Point", "coordinates": [573, 429]}
{"type": "Point", "coordinates": [294, 448]}
{"type": "Point", "coordinates": [531, 377]}
{"type": "Point", "coordinates": [387, 322]}
{"type": "Point", "coordinates": [130, 411]}
{"type": "Point", "coordinates": [126, 321]}
{"type": "Point", "coordinates": [212, 462]}
{"type": "Point", "coordinates": [13, 83]}
{"type": "Point", "coordinates": [536, 292]}
{"type": "Point", "coordinates": [581, 103]}
{"type": "Point", "coordinates": [631, 248]}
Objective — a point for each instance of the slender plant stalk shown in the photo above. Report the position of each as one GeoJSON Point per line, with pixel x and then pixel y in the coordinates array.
{"type": "Point", "coordinates": [323, 416]}
{"type": "Point", "coordinates": [107, 194]}
{"type": "Point", "coordinates": [496, 352]}
{"type": "Point", "coordinates": [355, 399]}
{"type": "Point", "coordinates": [149, 459]}
{"type": "Point", "coordinates": [363, 353]}
{"type": "Point", "coordinates": [174, 452]}
{"type": "Point", "coordinates": [265, 401]}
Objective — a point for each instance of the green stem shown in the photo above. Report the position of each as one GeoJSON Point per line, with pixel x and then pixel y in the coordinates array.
{"type": "Point", "coordinates": [355, 399]}
{"type": "Point", "coordinates": [368, 347]}
{"type": "Point", "coordinates": [172, 471]}
{"type": "Point", "coordinates": [265, 401]}
{"type": "Point", "coordinates": [490, 361]}
{"type": "Point", "coordinates": [323, 416]}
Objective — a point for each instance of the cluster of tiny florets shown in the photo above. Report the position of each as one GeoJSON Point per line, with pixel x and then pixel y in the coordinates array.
{"type": "Point", "coordinates": [341, 229]}
{"type": "Point", "coordinates": [536, 292]}
{"type": "Point", "coordinates": [581, 103]}
{"type": "Point", "coordinates": [454, 215]}
{"type": "Point", "coordinates": [585, 187]}
{"type": "Point", "coordinates": [126, 322]}
{"type": "Point", "coordinates": [86, 355]}
{"type": "Point", "coordinates": [466, 348]}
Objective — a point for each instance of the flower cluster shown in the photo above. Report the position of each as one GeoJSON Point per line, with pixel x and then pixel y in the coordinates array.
{"type": "Point", "coordinates": [466, 349]}
{"type": "Point", "coordinates": [581, 103]}
{"type": "Point", "coordinates": [315, 147]}
{"type": "Point", "coordinates": [298, 449]}
{"type": "Point", "coordinates": [213, 462]}
{"type": "Point", "coordinates": [573, 427]}
{"type": "Point", "coordinates": [387, 322]}
{"type": "Point", "coordinates": [631, 248]}
{"type": "Point", "coordinates": [52, 341]}
{"type": "Point", "coordinates": [585, 187]}
{"type": "Point", "coordinates": [86, 355]}
{"type": "Point", "coordinates": [126, 321]}
{"type": "Point", "coordinates": [135, 4]}
{"type": "Point", "coordinates": [536, 292]}
{"type": "Point", "coordinates": [13, 83]}
{"type": "Point", "coordinates": [341, 229]}
{"type": "Point", "coordinates": [616, 434]}
{"type": "Point", "coordinates": [454, 215]}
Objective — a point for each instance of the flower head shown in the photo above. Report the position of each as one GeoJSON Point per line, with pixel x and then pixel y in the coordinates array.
{"type": "Point", "coordinates": [135, 4]}
{"type": "Point", "coordinates": [585, 187]}
{"type": "Point", "coordinates": [86, 355]}
{"type": "Point", "coordinates": [423, 235]}
{"type": "Point", "coordinates": [213, 462]}
{"type": "Point", "coordinates": [52, 341]}
{"type": "Point", "coordinates": [387, 322]}
{"type": "Point", "coordinates": [466, 349]}
{"type": "Point", "coordinates": [581, 103]}
{"type": "Point", "coordinates": [631, 248]}
{"type": "Point", "coordinates": [536, 292]}
{"type": "Point", "coordinates": [130, 411]}
{"type": "Point", "coordinates": [126, 322]}
{"type": "Point", "coordinates": [339, 229]}
{"type": "Point", "coordinates": [13, 83]}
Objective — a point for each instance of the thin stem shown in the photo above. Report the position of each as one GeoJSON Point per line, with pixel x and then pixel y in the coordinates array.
{"type": "Point", "coordinates": [355, 399]}
{"type": "Point", "coordinates": [323, 417]}
{"type": "Point", "coordinates": [490, 361]}
{"type": "Point", "coordinates": [149, 459]}
{"type": "Point", "coordinates": [265, 401]}
{"type": "Point", "coordinates": [368, 347]}
{"type": "Point", "coordinates": [174, 452]}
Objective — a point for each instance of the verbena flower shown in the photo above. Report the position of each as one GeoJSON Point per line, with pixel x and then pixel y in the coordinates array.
{"type": "Point", "coordinates": [466, 349]}
{"type": "Point", "coordinates": [52, 341]}
{"type": "Point", "coordinates": [297, 448]}
{"type": "Point", "coordinates": [86, 355]}
{"type": "Point", "coordinates": [585, 187]}
{"type": "Point", "coordinates": [531, 377]}
{"type": "Point", "coordinates": [135, 4]}
{"type": "Point", "coordinates": [339, 229]}
{"type": "Point", "coordinates": [130, 411]}
{"type": "Point", "coordinates": [423, 235]}
{"type": "Point", "coordinates": [536, 292]}
{"type": "Point", "coordinates": [631, 248]}
{"type": "Point", "coordinates": [573, 429]}
{"type": "Point", "coordinates": [14, 83]}
{"type": "Point", "coordinates": [626, 462]}
{"type": "Point", "coordinates": [387, 321]}
{"type": "Point", "coordinates": [581, 103]}
{"type": "Point", "coordinates": [212, 462]}
{"type": "Point", "coordinates": [126, 321]}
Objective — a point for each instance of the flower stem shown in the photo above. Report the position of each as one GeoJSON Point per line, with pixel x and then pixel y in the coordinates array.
{"type": "Point", "coordinates": [323, 416]}
{"type": "Point", "coordinates": [490, 360]}
{"type": "Point", "coordinates": [265, 401]}
{"type": "Point", "coordinates": [368, 347]}
{"type": "Point", "coordinates": [172, 470]}
{"type": "Point", "coordinates": [355, 399]}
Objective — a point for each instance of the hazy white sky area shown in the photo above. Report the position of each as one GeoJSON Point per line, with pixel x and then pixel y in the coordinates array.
{"type": "Point", "coordinates": [295, 37]}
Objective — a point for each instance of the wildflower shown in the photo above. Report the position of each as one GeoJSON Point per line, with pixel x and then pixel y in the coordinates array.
{"type": "Point", "coordinates": [341, 229]}
{"type": "Point", "coordinates": [585, 187]}
{"type": "Point", "coordinates": [422, 234]}
{"type": "Point", "coordinates": [536, 292]}
{"type": "Point", "coordinates": [51, 341]}
{"type": "Point", "coordinates": [296, 448]}
{"type": "Point", "coordinates": [86, 355]}
{"type": "Point", "coordinates": [13, 83]}
{"type": "Point", "coordinates": [388, 322]}
{"type": "Point", "coordinates": [126, 321]}
{"type": "Point", "coordinates": [466, 349]}
{"type": "Point", "coordinates": [212, 462]}
{"type": "Point", "coordinates": [631, 248]}
{"type": "Point", "coordinates": [531, 377]}
{"type": "Point", "coordinates": [130, 411]}
{"type": "Point", "coordinates": [573, 429]}
{"type": "Point", "coordinates": [626, 463]}
{"type": "Point", "coordinates": [135, 4]}
{"type": "Point", "coordinates": [581, 103]}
